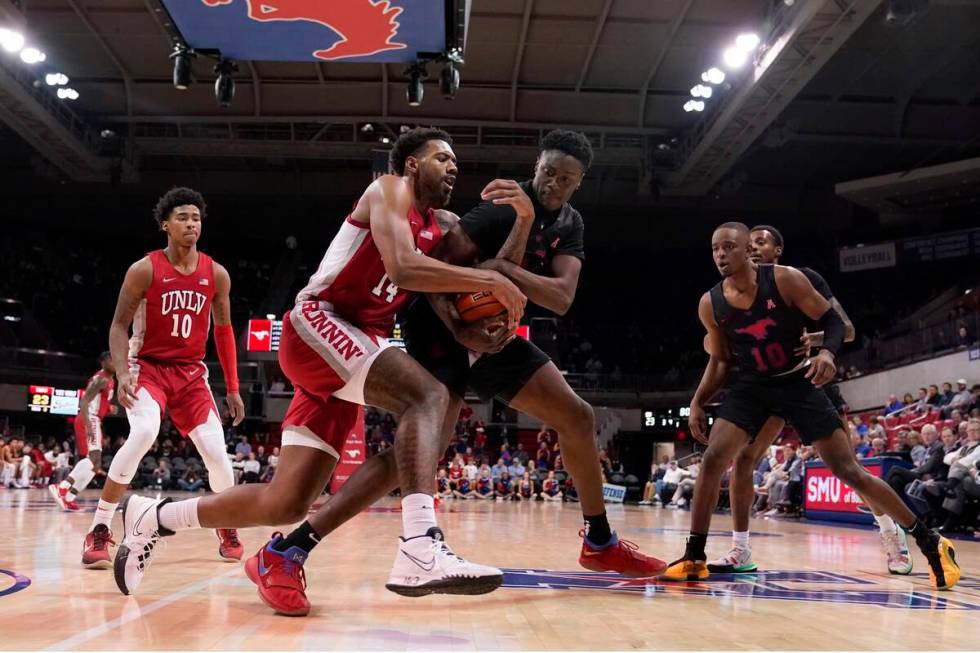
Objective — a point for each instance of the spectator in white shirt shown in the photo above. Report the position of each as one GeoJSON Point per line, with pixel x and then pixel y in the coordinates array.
{"type": "Point", "coordinates": [251, 469]}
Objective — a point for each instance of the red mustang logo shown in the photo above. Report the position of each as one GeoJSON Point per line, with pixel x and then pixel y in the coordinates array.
{"type": "Point", "coordinates": [365, 27]}
{"type": "Point", "coordinates": [758, 329]}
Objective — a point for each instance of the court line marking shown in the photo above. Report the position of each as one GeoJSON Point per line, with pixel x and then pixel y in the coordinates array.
{"type": "Point", "coordinates": [139, 613]}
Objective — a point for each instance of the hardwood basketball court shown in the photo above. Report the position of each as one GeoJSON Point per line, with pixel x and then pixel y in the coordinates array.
{"type": "Point", "coordinates": [826, 588]}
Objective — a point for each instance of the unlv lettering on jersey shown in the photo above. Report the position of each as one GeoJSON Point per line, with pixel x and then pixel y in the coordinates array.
{"type": "Point", "coordinates": [330, 331]}
{"type": "Point", "coordinates": [182, 300]}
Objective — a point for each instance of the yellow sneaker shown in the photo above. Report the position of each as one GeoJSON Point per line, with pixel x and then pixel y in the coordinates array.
{"type": "Point", "coordinates": [685, 570]}
{"type": "Point", "coordinates": [943, 570]}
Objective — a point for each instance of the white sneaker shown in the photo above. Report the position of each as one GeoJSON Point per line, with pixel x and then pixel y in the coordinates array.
{"type": "Point", "coordinates": [736, 561]}
{"type": "Point", "coordinates": [141, 529]}
{"type": "Point", "coordinates": [896, 547]}
{"type": "Point", "coordinates": [426, 565]}
{"type": "Point", "coordinates": [57, 496]}
{"type": "Point", "coordinates": [645, 503]}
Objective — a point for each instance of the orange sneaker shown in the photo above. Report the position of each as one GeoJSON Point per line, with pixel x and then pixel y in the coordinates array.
{"type": "Point", "coordinates": [280, 578]}
{"type": "Point", "coordinates": [621, 556]}
{"type": "Point", "coordinates": [95, 554]}
{"type": "Point", "coordinates": [686, 570]}
{"type": "Point", "coordinates": [230, 547]}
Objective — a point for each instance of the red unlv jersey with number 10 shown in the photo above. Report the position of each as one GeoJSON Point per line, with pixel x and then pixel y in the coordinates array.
{"type": "Point", "coordinates": [174, 318]}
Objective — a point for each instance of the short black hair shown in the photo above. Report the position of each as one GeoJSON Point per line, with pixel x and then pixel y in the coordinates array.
{"type": "Point", "coordinates": [737, 226]}
{"type": "Point", "coordinates": [776, 235]}
{"type": "Point", "coordinates": [574, 144]}
{"type": "Point", "coordinates": [104, 356]}
{"type": "Point", "coordinates": [179, 196]}
{"type": "Point", "coordinates": [409, 143]}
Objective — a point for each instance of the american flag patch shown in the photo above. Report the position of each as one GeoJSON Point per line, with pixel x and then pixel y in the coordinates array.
{"type": "Point", "coordinates": [203, 282]}
{"type": "Point", "coordinates": [425, 233]}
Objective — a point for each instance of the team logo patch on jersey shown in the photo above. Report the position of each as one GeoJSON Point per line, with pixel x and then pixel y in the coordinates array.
{"type": "Point", "coordinates": [770, 304]}
{"type": "Point", "coordinates": [758, 330]}
{"type": "Point", "coordinates": [554, 244]}
{"type": "Point", "coordinates": [814, 586]}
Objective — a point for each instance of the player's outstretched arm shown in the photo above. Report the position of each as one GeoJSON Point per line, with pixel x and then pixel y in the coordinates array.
{"type": "Point", "coordinates": [224, 342]}
{"type": "Point", "coordinates": [389, 200]}
{"type": "Point", "coordinates": [138, 279]}
{"type": "Point", "coordinates": [714, 373]}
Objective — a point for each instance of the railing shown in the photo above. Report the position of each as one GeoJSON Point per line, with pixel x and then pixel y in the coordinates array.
{"type": "Point", "coordinates": [918, 344]}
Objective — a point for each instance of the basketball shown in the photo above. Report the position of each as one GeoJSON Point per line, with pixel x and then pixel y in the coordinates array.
{"type": "Point", "coordinates": [476, 306]}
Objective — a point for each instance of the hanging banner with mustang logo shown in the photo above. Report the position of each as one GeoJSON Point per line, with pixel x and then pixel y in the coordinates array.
{"type": "Point", "coordinates": [390, 31]}
{"type": "Point", "coordinates": [352, 455]}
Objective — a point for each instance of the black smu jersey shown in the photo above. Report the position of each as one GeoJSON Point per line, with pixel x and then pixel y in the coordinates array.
{"type": "Point", "coordinates": [553, 232]}
{"type": "Point", "coordinates": [764, 337]}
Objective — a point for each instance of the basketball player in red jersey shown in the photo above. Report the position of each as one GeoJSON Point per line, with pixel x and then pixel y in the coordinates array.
{"type": "Point", "coordinates": [96, 402]}
{"type": "Point", "coordinates": [335, 352]}
{"type": "Point", "coordinates": [169, 297]}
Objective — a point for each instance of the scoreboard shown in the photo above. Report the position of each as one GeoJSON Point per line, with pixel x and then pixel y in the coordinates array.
{"type": "Point", "coordinates": [669, 418]}
{"type": "Point", "coordinates": [56, 401]}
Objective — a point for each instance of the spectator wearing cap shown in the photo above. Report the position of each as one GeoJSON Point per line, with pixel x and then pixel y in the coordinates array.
{"type": "Point", "coordinates": [961, 400]}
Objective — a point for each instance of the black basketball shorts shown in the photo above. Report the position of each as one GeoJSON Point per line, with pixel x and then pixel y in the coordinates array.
{"type": "Point", "coordinates": [501, 375]}
{"type": "Point", "coordinates": [752, 400]}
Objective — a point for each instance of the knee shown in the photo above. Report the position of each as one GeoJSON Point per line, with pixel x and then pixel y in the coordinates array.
{"type": "Point", "coordinates": [430, 398]}
{"type": "Point", "coordinates": [574, 419]}
{"type": "Point", "coordinates": [744, 463]}
{"type": "Point", "coordinates": [284, 507]}
{"type": "Point", "coordinates": [712, 462]}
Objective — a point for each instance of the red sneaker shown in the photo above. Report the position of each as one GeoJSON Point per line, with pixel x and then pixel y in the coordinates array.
{"type": "Point", "coordinates": [71, 506]}
{"type": "Point", "coordinates": [620, 556]}
{"type": "Point", "coordinates": [230, 547]}
{"type": "Point", "coordinates": [95, 554]}
{"type": "Point", "coordinates": [280, 578]}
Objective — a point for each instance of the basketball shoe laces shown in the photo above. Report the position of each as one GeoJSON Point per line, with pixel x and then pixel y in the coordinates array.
{"type": "Point", "coordinates": [101, 541]}
{"type": "Point", "coordinates": [231, 535]}
{"type": "Point", "coordinates": [295, 572]}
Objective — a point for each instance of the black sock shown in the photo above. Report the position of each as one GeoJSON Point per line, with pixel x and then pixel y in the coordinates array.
{"type": "Point", "coordinates": [598, 530]}
{"type": "Point", "coordinates": [695, 546]}
{"type": "Point", "coordinates": [920, 532]}
{"type": "Point", "coordinates": [303, 537]}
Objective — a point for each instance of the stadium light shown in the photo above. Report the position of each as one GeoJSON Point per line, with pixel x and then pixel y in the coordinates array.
{"type": "Point", "coordinates": [693, 105]}
{"type": "Point", "coordinates": [702, 91]}
{"type": "Point", "coordinates": [415, 92]}
{"type": "Point", "coordinates": [449, 81]}
{"type": "Point", "coordinates": [10, 40]}
{"type": "Point", "coordinates": [56, 79]}
{"type": "Point", "coordinates": [224, 86]}
{"type": "Point", "coordinates": [734, 58]}
{"type": "Point", "coordinates": [182, 57]}
{"type": "Point", "coordinates": [747, 42]}
{"type": "Point", "coordinates": [67, 94]}
{"type": "Point", "coordinates": [713, 76]}
{"type": "Point", "coordinates": [32, 56]}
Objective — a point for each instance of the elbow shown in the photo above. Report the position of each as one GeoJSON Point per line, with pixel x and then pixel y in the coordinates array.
{"type": "Point", "coordinates": [849, 333]}
{"type": "Point", "coordinates": [564, 303]}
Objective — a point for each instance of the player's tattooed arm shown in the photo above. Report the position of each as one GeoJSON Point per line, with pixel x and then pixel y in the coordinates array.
{"type": "Point", "coordinates": [714, 373]}
{"type": "Point", "coordinates": [135, 284]}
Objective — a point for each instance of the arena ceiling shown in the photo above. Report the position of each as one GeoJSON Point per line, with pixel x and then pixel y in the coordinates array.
{"type": "Point", "coordinates": [844, 95]}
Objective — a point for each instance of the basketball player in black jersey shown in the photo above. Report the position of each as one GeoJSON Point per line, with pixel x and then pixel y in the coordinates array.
{"type": "Point", "coordinates": [758, 314]}
{"type": "Point", "coordinates": [767, 247]}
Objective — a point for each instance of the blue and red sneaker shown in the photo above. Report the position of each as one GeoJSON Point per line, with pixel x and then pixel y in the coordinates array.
{"type": "Point", "coordinates": [280, 578]}
{"type": "Point", "coordinates": [621, 556]}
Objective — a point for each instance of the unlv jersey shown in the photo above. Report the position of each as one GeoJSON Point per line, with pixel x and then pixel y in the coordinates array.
{"type": "Point", "coordinates": [174, 318]}
{"type": "Point", "coordinates": [353, 279]}
{"type": "Point", "coordinates": [99, 406]}
{"type": "Point", "coordinates": [764, 337]}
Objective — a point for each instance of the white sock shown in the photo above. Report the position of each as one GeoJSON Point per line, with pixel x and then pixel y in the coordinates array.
{"type": "Point", "coordinates": [64, 485]}
{"type": "Point", "coordinates": [886, 524]}
{"type": "Point", "coordinates": [418, 514]}
{"type": "Point", "coordinates": [740, 539]}
{"type": "Point", "coordinates": [179, 515]}
{"type": "Point", "coordinates": [103, 514]}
